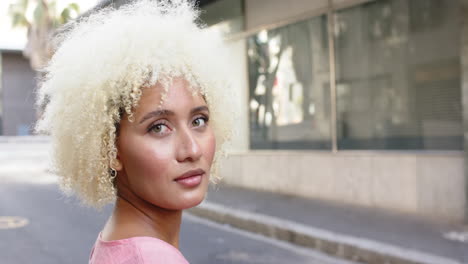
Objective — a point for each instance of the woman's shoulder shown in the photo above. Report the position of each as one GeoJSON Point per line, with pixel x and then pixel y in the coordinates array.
{"type": "Point", "coordinates": [154, 250]}
{"type": "Point", "coordinates": [135, 250]}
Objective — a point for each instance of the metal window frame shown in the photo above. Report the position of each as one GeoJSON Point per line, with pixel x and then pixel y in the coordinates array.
{"type": "Point", "coordinates": [2, 105]}
{"type": "Point", "coordinates": [332, 70]}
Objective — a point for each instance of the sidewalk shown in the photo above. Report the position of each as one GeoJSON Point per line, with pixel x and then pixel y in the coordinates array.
{"type": "Point", "coordinates": [359, 234]}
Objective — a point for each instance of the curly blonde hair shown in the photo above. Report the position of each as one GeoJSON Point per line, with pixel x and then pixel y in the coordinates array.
{"type": "Point", "coordinates": [97, 73]}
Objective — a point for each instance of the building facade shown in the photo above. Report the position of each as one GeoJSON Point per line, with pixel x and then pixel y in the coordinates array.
{"type": "Point", "coordinates": [17, 85]}
{"type": "Point", "coordinates": [353, 101]}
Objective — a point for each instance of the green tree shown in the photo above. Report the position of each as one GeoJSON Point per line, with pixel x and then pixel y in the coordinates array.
{"type": "Point", "coordinates": [41, 18]}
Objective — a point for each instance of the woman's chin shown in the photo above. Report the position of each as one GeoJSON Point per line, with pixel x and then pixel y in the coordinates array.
{"type": "Point", "coordinates": [187, 199]}
{"type": "Point", "coordinates": [194, 197]}
{"type": "Point", "coordinates": [194, 201]}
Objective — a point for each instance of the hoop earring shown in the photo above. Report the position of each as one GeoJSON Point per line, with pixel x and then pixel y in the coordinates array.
{"type": "Point", "coordinates": [113, 172]}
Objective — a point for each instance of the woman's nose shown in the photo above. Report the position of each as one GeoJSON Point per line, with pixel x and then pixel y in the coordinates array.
{"type": "Point", "coordinates": [188, 148]}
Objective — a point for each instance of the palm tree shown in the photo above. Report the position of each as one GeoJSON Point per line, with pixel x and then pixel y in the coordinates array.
{"type": "Point", "coordinates": [41, 25]}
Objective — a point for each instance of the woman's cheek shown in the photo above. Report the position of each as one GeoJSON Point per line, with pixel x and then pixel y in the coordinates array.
{"type": "Point", "coordinates": [157, 157]}
{"type": "Point", "coordinates": [148, 158]}
{"type": "Point", "coordinates": [211, 147]}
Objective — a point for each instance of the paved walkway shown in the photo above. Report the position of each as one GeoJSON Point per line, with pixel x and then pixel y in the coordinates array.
{"type": "Point", "coordinates": [359, 234]}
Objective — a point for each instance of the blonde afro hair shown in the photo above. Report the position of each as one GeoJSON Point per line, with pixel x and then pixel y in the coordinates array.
{"type": "Point", "coordinates": [96, 75]}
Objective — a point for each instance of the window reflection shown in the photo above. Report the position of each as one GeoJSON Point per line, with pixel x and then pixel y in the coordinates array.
{"type": "Point", "coordinates": [289, 87]}
{"type": "Point", "coordinates": [398, 75]}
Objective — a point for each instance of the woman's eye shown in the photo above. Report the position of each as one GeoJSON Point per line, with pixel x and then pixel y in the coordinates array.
{"type": "Point", "coordinates": [159, 129]}
{"type": "Point", "coordinates": [200, 121]}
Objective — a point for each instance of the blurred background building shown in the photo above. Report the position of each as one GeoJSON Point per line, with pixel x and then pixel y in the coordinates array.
{"type": "Point", "coordinates": [354, 101]}
{"type": "Point", "coordinates": [358, 102]}
{"type": "Point", "coordinates": [20, 22]}
{"type": "Point", "coordinates": [396, 69]}
{"type": "Point", "coordinates": [17, 105]}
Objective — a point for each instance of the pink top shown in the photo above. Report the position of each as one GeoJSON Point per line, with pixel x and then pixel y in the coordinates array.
{"type": "Point", "coordinates": [135, 250]}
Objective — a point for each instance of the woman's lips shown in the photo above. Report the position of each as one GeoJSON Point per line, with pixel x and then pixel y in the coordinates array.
{"type": "Point", "coordinates": [191, 178]}
{"type": "Point", "coordinates": [191, 181]}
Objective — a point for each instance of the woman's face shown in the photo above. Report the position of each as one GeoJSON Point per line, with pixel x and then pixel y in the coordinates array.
{"type": "Point", "coordinates": [165, 154]}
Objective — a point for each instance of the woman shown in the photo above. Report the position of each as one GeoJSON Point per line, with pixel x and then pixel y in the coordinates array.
{"type": "Point", "coordinates": [136, 106]}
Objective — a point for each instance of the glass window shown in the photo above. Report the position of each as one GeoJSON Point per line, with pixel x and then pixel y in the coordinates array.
{"type": "Point", "coordinates": [398, 75]}
{"type": "Point", "coordinates": [289, 87]}
{"type": "Point", "coordinates": [226, 15]}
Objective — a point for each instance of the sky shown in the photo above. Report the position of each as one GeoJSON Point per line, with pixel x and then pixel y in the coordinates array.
{"type": "Point", "coordinates": [16, 38]}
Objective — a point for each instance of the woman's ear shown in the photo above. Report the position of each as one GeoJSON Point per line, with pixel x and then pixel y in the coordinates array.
{"type": "Point", "coordinates": [117, 164]}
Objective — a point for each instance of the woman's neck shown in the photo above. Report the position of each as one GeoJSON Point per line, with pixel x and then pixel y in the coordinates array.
{"type": "Point", "coordinates": [133, 216]}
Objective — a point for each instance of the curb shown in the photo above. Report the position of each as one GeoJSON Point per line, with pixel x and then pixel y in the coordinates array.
{"type": "Point", "coordinates": [24, 139]}
{"type": "Point", "coordinates": [342, 246]}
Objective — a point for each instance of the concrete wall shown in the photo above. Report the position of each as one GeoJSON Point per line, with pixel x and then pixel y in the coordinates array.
{"type": "Point", "coordinates": [421, 183]}
{"type": "Point", "coordinates": [240, 96]}
{"type": "Point", "coordinates": [261, 13]}
{"type": "Point", "coordinates": [18, 84]}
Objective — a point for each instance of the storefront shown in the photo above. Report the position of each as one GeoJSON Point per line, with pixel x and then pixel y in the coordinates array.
{"type": "Point", "coordinates": [352, 101]}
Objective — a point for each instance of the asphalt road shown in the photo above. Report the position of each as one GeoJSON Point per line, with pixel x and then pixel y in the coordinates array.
{"type": "Point", "coordinates": [46, 227]}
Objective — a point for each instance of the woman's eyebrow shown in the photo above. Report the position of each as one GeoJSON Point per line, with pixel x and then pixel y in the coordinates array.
{"type": "Point", "coordinates": [156, 113]}
{"type": "Point", "coordinates": [200, 109]}
{"type": "Point", "coordinates": [165, 112]}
